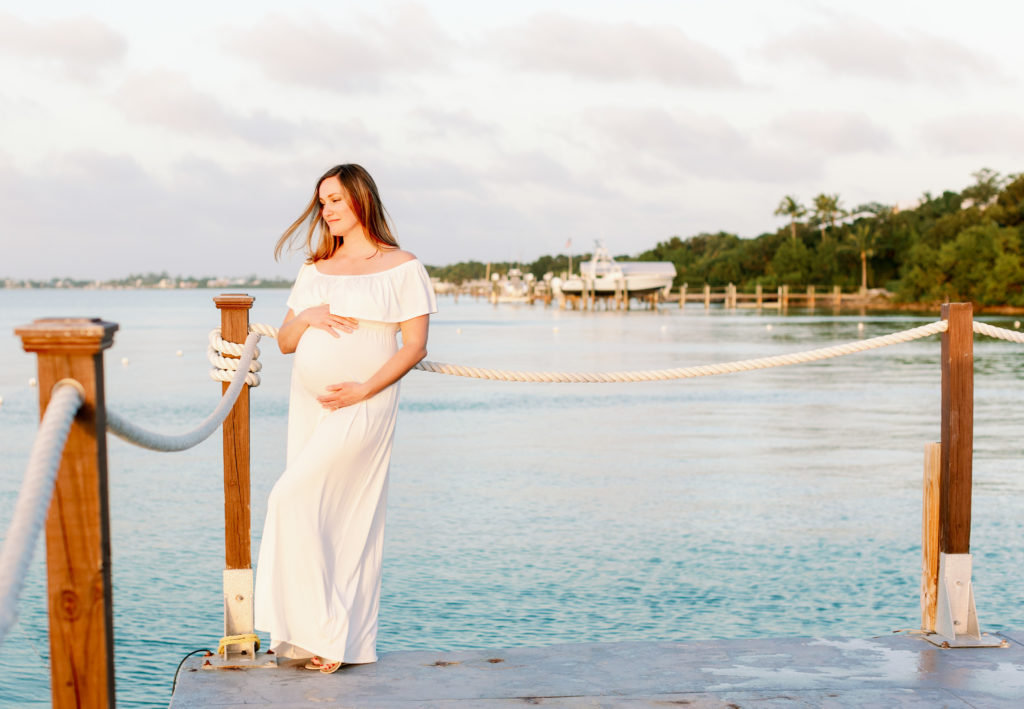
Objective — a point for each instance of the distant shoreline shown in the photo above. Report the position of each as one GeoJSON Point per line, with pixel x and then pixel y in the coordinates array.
{"type": "Point", "coordinates": [877, 305]}
{"type": "Point", "coordinates": [142, 284]}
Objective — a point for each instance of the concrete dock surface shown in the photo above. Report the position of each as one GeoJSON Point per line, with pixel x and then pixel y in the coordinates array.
{"type": "Point", "coordinates": [891, 671]}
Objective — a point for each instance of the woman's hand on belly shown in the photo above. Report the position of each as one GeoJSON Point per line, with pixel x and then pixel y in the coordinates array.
{"type": "Point", "coordinates": [320, 317]}
{"type": "Point", "coordinates": [339, 396]}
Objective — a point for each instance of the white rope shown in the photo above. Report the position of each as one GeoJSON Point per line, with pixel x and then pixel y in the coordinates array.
{"type": "Point", "coordinates": [34, 499]}
{"type": "Point", "coordinates": [690, 372]}
{"type": "Point", "coordinates": [998, 332]}
{"type": "Point", "coordinates": [685, 372]}
{"type": "Point", "coordinates": [122, 428]}
{"type": "Point", "coordinates": [224, 368]}
{"type": "Point", "coordinates": [262, 329]}
{"type": "Point", "coordinates": [664, 374]}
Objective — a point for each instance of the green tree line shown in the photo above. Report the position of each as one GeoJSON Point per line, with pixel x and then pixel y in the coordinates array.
{"type": "Point", "coordinates": [963, 245]}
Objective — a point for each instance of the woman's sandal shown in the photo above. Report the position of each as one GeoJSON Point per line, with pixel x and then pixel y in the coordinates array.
{"type": "Point", "coordinates": [315, 663]}
{"type": "Point", "coordinates": [329, 667]}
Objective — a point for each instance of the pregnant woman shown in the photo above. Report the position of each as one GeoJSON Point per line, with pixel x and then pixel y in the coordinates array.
{"type": "Point", "coordinates": [319, 569]}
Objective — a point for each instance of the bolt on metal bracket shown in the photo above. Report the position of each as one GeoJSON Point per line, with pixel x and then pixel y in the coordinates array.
{"type": "Point", "coordinates": [956, 617]}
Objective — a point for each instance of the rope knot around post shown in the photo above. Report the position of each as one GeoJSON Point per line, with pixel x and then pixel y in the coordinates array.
{"type": "Point", "coordinates": [224, 368]}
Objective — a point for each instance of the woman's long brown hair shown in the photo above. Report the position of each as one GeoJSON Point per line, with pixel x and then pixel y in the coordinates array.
{"type": "Point", "coordinates": [366, 205]}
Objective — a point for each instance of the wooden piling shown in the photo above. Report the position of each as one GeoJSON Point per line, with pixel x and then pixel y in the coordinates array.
{"type": "Point", "coordinates": [78, 523]}
{"type": "Point", "coordinates": [957, 429]}
{"type": "Point", "coordinates": [930, 534]}
{"type": "Point", "coordinates": [810, 297]}
{"type": "Point", "coordinates": [759, 295]}
{"type": "Point", "coordinates": [682, 296]}
{"type": "Point", "coordinates": [837, 296]}
{"type": "Point", "coordinates": [707, 297]}
{"type": "Point", "coordinates": [234, 327]}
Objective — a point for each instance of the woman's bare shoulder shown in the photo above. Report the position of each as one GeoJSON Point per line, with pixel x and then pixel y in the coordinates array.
{"type": "Point", "coordinates": [396, 257]}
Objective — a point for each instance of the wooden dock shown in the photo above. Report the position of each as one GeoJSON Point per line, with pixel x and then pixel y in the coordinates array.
{"type": "Point", "coordinates": [808, 672]}
{"type": "Point", "coordinates": [895, 670]}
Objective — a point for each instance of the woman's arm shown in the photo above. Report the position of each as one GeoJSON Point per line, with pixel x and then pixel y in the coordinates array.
{"type": "Point", "coordinates": [320, 317]}
{"type": "Point", "coordinates": [413, 349]}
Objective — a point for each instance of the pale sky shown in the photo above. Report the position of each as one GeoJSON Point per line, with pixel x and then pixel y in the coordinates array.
{"type": "Point", "coordinates": [186, 136]}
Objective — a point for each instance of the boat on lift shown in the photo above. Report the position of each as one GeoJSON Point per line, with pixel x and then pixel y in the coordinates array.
{"type": "Point", "coordinates": [604, 276]}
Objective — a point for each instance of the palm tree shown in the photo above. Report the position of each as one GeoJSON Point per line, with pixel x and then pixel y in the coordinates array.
{"type": "Point", "coordinates": [988, 183]}
{"type": "Point", "coordinates": [826, 210]}
{"type": "Point", "coordinates": [790, 207]}
{"type": "Point", "coordinates": [863, 238]}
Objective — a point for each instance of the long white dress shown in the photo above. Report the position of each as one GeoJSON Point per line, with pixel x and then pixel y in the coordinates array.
{"type": "Point", "coordinates": [318, 577]}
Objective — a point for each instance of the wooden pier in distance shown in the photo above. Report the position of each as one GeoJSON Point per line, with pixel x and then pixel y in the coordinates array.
{"type": "Point", "coordinates": [728, 296]}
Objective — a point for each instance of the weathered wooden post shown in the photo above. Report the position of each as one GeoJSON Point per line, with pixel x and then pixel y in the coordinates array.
{"type": "Point", "coordinates": [238, 580]}
{"type": "Point", "coordinates": [707, 296]}
{"type": "Point", "coordinates": [759, 295]}
{"type": "Point", "coordinates": [957, 428]}
{"type": "Point", "coordinates": [682, 296]}
{"type": "Point", "coordinates": [837, 296]}
{"type": "Point", "coordinates": [810, 297]}
{"type": "Point", "coordinates": [956, 619]}
{"type": "Point", "coordinates": [78, 524]}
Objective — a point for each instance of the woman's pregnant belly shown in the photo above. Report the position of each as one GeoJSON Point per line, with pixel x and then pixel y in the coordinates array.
{"type": "Point", "coordinates": [322, 359]}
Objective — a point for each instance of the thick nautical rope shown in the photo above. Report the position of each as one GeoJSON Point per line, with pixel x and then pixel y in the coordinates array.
{"type": "Point", "coordinates": [663, 374]}
{"type": "Point", "coordinates": [34, 498]}
{"type": "Point", "coordinates": [122, 428]}
{"type": "Point", "coordinates": [998, 332]}
{"type": "Point", "coordinates": [746, 365]}
{"type": "Point", "coordinates": [224, 368]}
{"type": "Point", "coordinates": [690, 372]}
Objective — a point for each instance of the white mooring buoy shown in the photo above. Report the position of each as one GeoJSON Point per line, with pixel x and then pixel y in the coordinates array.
{"type": "Point", "coordinates": [32, 381]}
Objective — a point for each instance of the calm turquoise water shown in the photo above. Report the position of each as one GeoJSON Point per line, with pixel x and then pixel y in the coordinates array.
{"type": "Point", "coordinates": [782, 502]}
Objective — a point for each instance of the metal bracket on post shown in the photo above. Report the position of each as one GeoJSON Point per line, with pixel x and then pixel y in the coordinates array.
{"type": "Point", "coordinates": [238, 621]}
{"type": "Point", "coordinates": [956, 618]}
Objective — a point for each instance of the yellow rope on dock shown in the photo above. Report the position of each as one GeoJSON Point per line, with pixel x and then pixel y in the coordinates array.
{"type": "Point", "coordinates": [243, 639]}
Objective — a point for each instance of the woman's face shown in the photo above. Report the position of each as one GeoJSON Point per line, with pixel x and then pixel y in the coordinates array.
{"type": "Point", "coordinates": [336, 209]}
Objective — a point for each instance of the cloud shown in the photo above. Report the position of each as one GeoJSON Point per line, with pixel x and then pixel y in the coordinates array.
{"type": "Point", "coordinates": [554, 43]}
{"type": "Point", "coordinates": [447, 123]}
{"type": "Point", "coordinates": [967, 134]}
{"type": "Point", "coordinates": [79, 47]}
{"type": "Point", "coordinates": [93, 215]}
{"type": "Point", "coordinates": [360, 57]}
{"type": "Point", "coordinates": [861, 48]}
{"type": "Point", "coordinates": [832, 132]}
{"type": "Point", "coordinates": [168, 99]}
{"type": "Point", "coordinates": [688, 144]}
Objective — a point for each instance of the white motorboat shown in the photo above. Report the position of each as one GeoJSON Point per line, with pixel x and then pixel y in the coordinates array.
{"type": "Point", "coordinates": [513, 288]}
{"type": "Point", "coordinates": [604, 276]}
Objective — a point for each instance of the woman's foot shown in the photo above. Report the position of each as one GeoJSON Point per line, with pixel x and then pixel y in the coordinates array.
{"type": "Point", "coordinates": [314, 663]}
{"type": "Point", "coordinates": [328, 667]}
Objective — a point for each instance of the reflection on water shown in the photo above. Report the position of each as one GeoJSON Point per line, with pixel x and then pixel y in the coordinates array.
{"type": "Point", "coordinates": [779, 502]}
